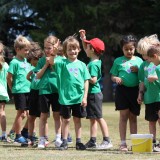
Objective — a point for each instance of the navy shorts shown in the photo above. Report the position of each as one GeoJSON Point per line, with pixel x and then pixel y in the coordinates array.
{"type": "Point", "coordinates": [126, 98]}
{"type": "Point", "coordinates": [94, 105]}
{"type": "Point", "coordinates": [75, 110]}
{"type": "Point", "coordinates": [47, 100]}
{"type": "Point", "coordinates": [21, 101]}
{"type": "Point", "coordinates": [151, 111]}
{"type": "Point", "coordinates": [34, 104]}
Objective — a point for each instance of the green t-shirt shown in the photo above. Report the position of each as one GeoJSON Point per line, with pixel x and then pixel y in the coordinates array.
{"type": "Point", "coordinates": [48, 82]}
{"type": "Point", "coordinates": [158, 71]}
{"type": "Point", "coordinates": [3, 83]}
{"type": "Point", "coordinates": [152, 89]}
{"type": "Point", "coordinates": [19, 70]}
{"type": "Point", "coordinates": [34, 81]}
{"type": "Point", "coordinates": [71, 79]}
{"type": "Point", "coordinates": [121, 68]}
{"type": "Point", "coordinates": [94, 68]}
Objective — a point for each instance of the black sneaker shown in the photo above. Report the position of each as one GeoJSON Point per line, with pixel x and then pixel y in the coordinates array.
{"type": "Point", "coordinates": [80, 146]}
{"type": "Point", "coordinates": [90, 144]}
{"type": "Point", "coordinates": [63, 146]}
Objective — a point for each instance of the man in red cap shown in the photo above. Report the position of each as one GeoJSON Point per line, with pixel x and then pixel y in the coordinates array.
{"type": "Point", "coordinates": [94, 48]}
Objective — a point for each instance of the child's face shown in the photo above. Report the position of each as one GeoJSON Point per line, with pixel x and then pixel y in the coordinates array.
{"type": "Point", "coordinates": [23, 52]}
{"type": "Point", "coordinates": [128, 50]}
{"type": "Point", "coordinates": [49, 49]}
{"type": "Point", "coordinates": [72, 52]}
{"type": "Point", "coordinates": [89, 51]}
{"type": "Point", "coordinates": [34, 62]}
{"type": "Point", "coordinates": [155, 59]}
{"type": "Point", "coordinates": [145, 57]}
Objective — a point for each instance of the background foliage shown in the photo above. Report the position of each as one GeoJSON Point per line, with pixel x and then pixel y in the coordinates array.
{"type": "Point", "coordinates": [106, 19]}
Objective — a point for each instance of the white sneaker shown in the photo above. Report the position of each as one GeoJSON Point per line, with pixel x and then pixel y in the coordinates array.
{"type": "Point", "coordinates": [41, 144]}
{"type": "Point", "coordinates": [57, 143]}
{"type": "Point", "coordinates": [105, 145]}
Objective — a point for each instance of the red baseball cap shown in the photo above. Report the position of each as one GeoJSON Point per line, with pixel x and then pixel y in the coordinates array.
{"type": "Point", "coordinates": [97, 44]}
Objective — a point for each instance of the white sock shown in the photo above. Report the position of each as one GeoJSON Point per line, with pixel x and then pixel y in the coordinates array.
{"type": "Point", "coordinates": [4, 134]}
{"type": "Point", "coordinates": [123, 142]}
{"type": "Point", "coordinates": [58, 136]}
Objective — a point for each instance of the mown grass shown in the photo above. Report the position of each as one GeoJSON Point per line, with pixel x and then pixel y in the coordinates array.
{"type": "Point", "coordinates": [10, 151]}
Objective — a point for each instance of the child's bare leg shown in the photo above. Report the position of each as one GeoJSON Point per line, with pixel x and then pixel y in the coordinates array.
{"type": "Point", "coordinates": [93, 128]}
{"type": "Point", "coordinates": [104, 127]}
{"type": "Point", "coordinates": [65, 128]}
{"type": "Point", "coordinates": [3, 119]}
{"type": "Point", "coordinates": [57, 122]}
{"type": "Point", "coordinates": [42, 124]}
{"type": "Point", "coordinates": [133, 123]}
{"type": "Point", "coordinates": [152, 128]}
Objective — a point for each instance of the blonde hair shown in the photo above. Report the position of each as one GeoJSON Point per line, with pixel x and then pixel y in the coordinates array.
{"type": "Point", "coordinates": [1, 49]}
{"type": "Point", "coordinates": [51, 40]}
{"type": "Point", "coordinates": [145, 43]}
{"type": "Point", "coordinates": [71, 40]}
{"type": "Point", "coordinates": [1, 61]}
{"type": "Point", "coordinates": [21, 42]}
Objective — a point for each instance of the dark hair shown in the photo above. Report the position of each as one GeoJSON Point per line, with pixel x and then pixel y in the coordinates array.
{"type": "Point", "coordinates": [127, 39]}
{"type": "Point", "coordinates": [35, 52]}
{"type": "Point", "coordinates": [153, 50]}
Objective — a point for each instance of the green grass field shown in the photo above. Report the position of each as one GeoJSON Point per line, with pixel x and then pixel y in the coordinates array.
{"type": "Point", "coordinates": [11, 151]}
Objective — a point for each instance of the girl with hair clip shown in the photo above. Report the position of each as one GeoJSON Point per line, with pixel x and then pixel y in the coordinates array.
{"type": "Point", "coordinates": [3, 94]}
{"type": "Point", "coordinates": [125, 74]}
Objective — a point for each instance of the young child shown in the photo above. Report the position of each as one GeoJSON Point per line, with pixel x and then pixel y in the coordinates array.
{"type": "Point", "coordinates": [3, 93]}
{"type": "Point", "coordinates": [18, 84]}
{"type": "Point", "coordinates": [125, 74]}
{"type": "Point", "coordinates": [149, 87]}
{"type": "Point", "coordinates": [73, 91]}
{"type": "Point", "coordinates": [34, 55]}
{"type": "Point", "coordinates": [48, 91]}
{"type": "Point", "coordinates": [94, 49]}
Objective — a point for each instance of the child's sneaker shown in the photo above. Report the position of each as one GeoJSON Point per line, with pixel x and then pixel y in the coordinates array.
{"type": "Point", "coordinates": [57, 143]}
{"type": "Point", "coordinates": [63, 146]}
{"type": "Point", "coordinates": [156, 148]}
{"type": "Point", "coordinates": [11, 135]}
{"type": "Point", "coordinates": [69, 140]}
{"type": "Point", "coordinates": [90, 144]}
{"type": "Point", "coordinates": [21, 140]}
{"type": "Point", "coordinates": [105, 145]}
{"type": "Point", "coordinates": [41, 144]}
{"type": "Point", "coordinates": [80, 146]}
{"type": "Point", "coordinates": [5, 139]}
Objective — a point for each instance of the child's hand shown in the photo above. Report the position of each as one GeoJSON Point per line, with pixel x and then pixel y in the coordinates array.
{"type": "Point", "coordinates": [56, 45]}
{"type": "Point", "coordinates": [118, 80]}
{"type": "Point", "coordinates": [152, 78]}
{"type": "Point", "coordinates": [134, 68]}
{"type": "Point", "coordinates": [84, 102]}
{"type": "Point", "coordinates": [140, 98]}
{"type": "Point", "coordinates": [82, 34]}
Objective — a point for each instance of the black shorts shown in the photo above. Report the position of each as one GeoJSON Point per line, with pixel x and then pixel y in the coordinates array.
{"type": "Point", "coordinates": [151, 111]}
{"type": "Point", "coordinates": [47, 100]}
{"type": "Point", "coordinates": [94, 105]}
{"type": "Point", "coordinates": [21, 101]}
{"type": "Point", "coordinates": [34, 106]}
{"type": "Point", "coordinates": [3, 101]}
{"type": "Point", "coordinates": [126, 98]}
{"type": "Point", "coordinates": [76, 109]}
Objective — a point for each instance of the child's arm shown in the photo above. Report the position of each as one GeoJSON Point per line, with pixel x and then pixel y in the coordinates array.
{"type": "Point", "coordinates": [82, 37]}
{"type": "Point", "coordinates": [117, 80]}
{"type": "Point", "coordinates": [93, 80]}
{"type": "Point", "coordinates": [141, 93]}
{"type": "Point", "coordinates": [9, 80]}
{"type": "Point", "coordinates": [84, 100]}
{"type": "Point", "coordinates": [29, 75]}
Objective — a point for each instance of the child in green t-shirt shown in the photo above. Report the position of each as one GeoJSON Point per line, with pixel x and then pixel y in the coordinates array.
{"type": "Point", "coordinates": [125, 74]}
{"type": "Point", "coordinates": [19, 85]}
{"type": "Point", "coordinates": [3, 92]}
{"type": "Point", "coordinates": [149, 88]}
{"type": "Point", "coordinates": [73, 89]}
{"type": "Point", "coordinates": [34, 55]}
{"type": "Point", "coordinates": [48, 91]}
{"type": "Point", "coordinates": [94, 49]}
